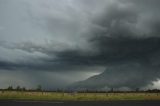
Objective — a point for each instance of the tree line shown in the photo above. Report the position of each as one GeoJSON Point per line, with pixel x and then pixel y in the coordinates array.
{"type": "Point", "coordinates": [19, 88]}
{"type": "Point", "coordinates": [39, 89]}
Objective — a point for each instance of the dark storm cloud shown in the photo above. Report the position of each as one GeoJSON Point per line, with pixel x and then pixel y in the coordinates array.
{"type": "Point", "coordinates": [113, 51]}
{"type": "Point", "coordinates": [116, 23]}
{"type": "Point", "coordinates": [107, 33]}
{"type": "Point", "coordinates": [131, 37]}
{"type": "Point", "coordinates": [110, 51]}
{"type": "Point", "coordinates": [118, 41]}
{"type": "Point", "coordinates": [129, 76]}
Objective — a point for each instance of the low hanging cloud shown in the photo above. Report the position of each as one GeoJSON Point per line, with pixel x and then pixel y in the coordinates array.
{"type": "Point", "coordinates": [68, 35]}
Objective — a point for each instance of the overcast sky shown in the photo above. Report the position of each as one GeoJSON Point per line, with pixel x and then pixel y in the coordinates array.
{"type": "Point", "coordinates": [57, 42]}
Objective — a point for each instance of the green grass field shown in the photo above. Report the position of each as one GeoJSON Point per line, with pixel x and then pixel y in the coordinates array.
{"type": "Point", "coordinates": [51, 96]}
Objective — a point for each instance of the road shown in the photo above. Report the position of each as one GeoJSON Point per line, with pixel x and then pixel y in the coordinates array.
{"type": "Point", "coordinates": [109, 103]}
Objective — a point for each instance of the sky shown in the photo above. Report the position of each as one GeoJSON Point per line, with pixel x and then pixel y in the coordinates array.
{"type": "Point", "coordinates": [101, 43]}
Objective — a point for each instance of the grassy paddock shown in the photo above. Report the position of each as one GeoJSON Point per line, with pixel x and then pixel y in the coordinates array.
{"type": "Point", "coordinates": [52, 96]}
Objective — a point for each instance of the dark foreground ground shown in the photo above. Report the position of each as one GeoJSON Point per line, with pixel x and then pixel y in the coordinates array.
{"type": "Point", "coordinates": [109, 103]}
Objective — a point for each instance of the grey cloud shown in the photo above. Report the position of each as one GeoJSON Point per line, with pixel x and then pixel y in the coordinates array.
{"type": "Point", "coordinates": [129, 75]}
{"type": "Point", "coordinates": [72, 35]}
{"type": "Point", "coordinates": [124, 42]}
{"type": "Point", "coordinates": [48, 80]}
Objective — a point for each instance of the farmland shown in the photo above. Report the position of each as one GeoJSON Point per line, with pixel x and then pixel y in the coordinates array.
{"type": "Point", "coordinates": [54, 96]}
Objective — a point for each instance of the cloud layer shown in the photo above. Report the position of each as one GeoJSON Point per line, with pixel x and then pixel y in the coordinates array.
{"type": "Point", "coordinates": [82, 36]}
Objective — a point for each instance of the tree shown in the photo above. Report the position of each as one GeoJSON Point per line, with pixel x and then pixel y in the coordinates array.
{"type": "Point", "coordinates": [112, 90]}
{"type": "Point", "coordinates": [18, 88]}
{"type": "Point", "coordinates": [10, 88]}
{"type": "Point", "coordinates": [23, 89]}
{"type": "Point", "coordinates": [39, 88]}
